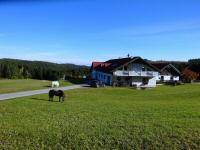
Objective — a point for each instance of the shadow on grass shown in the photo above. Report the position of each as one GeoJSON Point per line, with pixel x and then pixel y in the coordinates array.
{"type": "Point", "coordinates": [41, 99]}
{"type": "Point", "coordinates": [86, 86]}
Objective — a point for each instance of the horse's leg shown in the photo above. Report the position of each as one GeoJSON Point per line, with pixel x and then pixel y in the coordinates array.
{"type": "Point", "coordinates": [59, 98]}
{"type": "Point", "coordinates": [52, 99]}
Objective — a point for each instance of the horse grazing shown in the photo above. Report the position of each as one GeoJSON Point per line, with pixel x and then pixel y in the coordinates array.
{"type": "Point", "coordinates": [59, 93]}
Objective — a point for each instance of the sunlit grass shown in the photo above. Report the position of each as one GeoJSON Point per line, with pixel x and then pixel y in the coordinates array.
{"type": "Point", "coordinates": [112, 118]}
{"type": "Point", "coordinates": [8, 86]}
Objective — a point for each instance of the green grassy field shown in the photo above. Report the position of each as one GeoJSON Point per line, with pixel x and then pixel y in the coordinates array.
{"type": "Point", "coordinates": [112, 118]}
{"type": "Point", "coordinates": [8, 86]}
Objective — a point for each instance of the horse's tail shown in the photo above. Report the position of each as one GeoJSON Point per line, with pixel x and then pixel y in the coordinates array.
{"type": "Point", "coordinates": [64, 94]}
{"type": "Point", "coordinates": [61, 94]}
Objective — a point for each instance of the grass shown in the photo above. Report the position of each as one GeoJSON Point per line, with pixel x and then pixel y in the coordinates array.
{"type": "Point", "coordinates": [9, 86]}
{"type": "Point", "coordinates": [112, 118]}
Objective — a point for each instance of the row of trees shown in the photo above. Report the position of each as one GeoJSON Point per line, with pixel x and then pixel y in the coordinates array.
{"type": "Point", "coordinates": [190, 70]}
{"type": "Point", "coordinates": [194, 65]}
{"type": "Point", "coordinates": [189, 75]}
{"type": "Point", "coordinates": [19, 69]}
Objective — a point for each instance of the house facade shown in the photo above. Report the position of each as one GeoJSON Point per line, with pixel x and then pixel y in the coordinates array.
{"type": "Point", "coordinates": [133, 71]}
{"type": "Point", "coordinates": [168, 72]}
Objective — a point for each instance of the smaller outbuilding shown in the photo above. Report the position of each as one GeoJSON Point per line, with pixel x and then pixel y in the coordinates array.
{"type": "Point", "coordinates": [168, 72]}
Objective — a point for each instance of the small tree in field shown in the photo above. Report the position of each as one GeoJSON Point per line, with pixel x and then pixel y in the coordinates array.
{"type": "Point", "coordinates": [189, 75]}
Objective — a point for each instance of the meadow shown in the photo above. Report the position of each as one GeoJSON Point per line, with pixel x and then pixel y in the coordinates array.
{"type": "Point", "coordinates": [9, 86]}
{"type": "Point", "coordinates": [165, 117]}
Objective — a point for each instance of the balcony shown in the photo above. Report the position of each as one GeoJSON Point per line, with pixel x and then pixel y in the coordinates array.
{"type": "Point", "coordinates": [135, 73]}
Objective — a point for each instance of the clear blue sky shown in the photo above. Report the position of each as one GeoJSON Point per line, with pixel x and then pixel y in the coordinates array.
{"type": "Point", "coordinates": [80, 31]}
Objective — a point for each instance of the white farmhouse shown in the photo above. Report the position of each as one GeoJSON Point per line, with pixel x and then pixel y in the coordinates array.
{"type": "Point", "coordinates": [133, 71]}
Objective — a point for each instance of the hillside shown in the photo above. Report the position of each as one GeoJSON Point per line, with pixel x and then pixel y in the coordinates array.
{"type": "Point", "coordinates": [19, 69]}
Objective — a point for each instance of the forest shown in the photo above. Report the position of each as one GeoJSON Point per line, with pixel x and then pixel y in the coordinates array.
{"type": "Point", "coordinates": [23, 69]}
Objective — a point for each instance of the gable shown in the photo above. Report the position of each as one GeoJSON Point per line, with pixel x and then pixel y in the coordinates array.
{"type": "Point", "coordinates": [170, 70]}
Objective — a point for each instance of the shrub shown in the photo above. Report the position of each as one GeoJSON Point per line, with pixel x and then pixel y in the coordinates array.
{"type": "Point", "coordinates": [189, 75]}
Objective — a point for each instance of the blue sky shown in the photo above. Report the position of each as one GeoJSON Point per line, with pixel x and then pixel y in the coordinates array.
{"type": "Point", "coordinates": [80, 31]}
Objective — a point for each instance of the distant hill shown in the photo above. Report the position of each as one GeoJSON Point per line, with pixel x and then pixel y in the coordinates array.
{"type": "Point", "coordinates": [17, 69]}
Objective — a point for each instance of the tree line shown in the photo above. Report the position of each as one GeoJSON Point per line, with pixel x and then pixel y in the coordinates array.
{"type": "Point", "coordinates": [190, 70]}
{"type": "Point", "coordinates": [23, 69]}
{"type": "Point", "coordinates": [194, 65]}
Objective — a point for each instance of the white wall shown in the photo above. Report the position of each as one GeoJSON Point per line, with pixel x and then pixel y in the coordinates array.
{"type": "Point", "coordinates": [158, 78]}
{"type": "Point", "coordinates": [176, 78]}
{"type": "Point", "coordinates": [167, 78]}
{"type": "Point", "coordinates": [138, 81]}
{"type": "Point", "coordinates": [152, 82]}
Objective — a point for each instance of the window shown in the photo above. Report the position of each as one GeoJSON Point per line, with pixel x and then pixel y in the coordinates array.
{"type": "Point", "coordinates": [143, 69]}
{"type": "Point", "coordinates": [125, 68]}
{"type": "Point", "coordinates": [145, 81]}
{"type": "Point", "coordinates": [162, 78]}
{"type": "Point", "coordinates": [171, 78]}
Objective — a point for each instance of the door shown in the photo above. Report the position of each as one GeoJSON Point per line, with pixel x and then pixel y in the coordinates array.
{"type": "Point", "coordinates": [145, 81]}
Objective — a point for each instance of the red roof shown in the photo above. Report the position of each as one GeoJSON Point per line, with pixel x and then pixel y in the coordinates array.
{"type": "Point", "coordinates": [96, 64]}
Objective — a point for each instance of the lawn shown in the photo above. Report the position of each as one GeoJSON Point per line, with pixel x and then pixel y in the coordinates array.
{"type": "Point", "coordinates": [8, 86]}
{"type": "Point", "coordinates": [112, 118]}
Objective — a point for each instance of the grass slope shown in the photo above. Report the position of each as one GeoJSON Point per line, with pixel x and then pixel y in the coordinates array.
{"type": "Point", "coordinates": [112, 118]}
{"type": "Point", "coordinates": [8, 86]}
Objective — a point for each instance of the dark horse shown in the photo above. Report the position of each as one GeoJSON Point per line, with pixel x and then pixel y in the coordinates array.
{"type": "Point", "coordinates": [59, 93]}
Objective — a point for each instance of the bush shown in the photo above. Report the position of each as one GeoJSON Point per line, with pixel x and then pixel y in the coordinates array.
{"type": "Point", "coordinates": [189, 75]}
